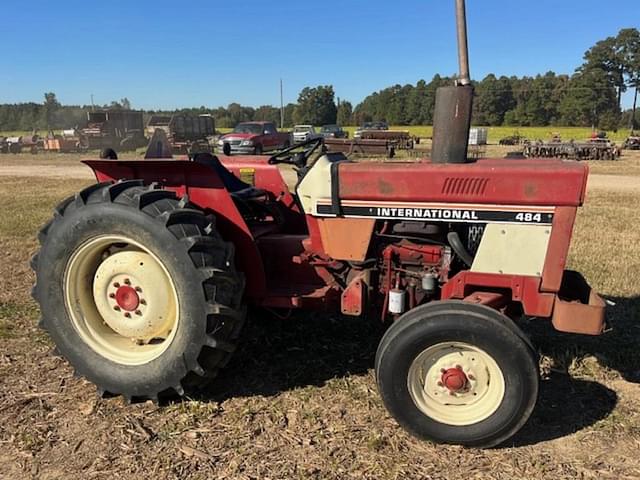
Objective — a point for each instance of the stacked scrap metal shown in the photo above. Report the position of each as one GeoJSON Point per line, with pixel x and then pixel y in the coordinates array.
{"type": "Point", "coordinates": [361, 146]}
{"type": "Point", "coordinates": [68, 142]}
{"type": "Point", "coordinates": [402, 138]}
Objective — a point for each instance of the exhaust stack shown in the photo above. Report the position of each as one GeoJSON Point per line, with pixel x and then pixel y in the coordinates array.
{"type": "Point", "coordinates": [452, 115]}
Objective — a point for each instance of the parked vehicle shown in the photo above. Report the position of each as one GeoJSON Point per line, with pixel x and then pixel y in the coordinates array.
{"type": "Point", "coordinates": [186, 133]}
{"type": "Point", "coordinates": [303, 133]}
{"type": "Point", "coordinates": [333, 131]}
{"type": "Point", "coordinates": [632, 142]}
{"type": "Point", "coordinates": [254, 138]}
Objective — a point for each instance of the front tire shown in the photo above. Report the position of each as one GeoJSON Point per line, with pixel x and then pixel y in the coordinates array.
{"type": "Point", "coordinates": [138, 290]}
{"type": "Point", "coordinates": [453, 372]}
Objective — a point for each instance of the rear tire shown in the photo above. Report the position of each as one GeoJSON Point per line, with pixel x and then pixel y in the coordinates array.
{"type": "Point", "coordinates": [138, 290]}
{"type": "Point", "coordinates": [453, 372]}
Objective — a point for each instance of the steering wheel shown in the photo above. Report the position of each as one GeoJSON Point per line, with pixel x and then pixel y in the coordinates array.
{"type": "Point", "coordinates": [297, 159]}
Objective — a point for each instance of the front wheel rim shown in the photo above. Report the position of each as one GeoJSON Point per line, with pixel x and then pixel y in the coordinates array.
{"type": "Point", "coordinates": [121, 300]}
{"type": "Point", "coordinates": [456, 383]}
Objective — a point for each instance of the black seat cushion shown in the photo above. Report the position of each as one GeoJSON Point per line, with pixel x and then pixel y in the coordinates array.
{"type": "Point", "coordinates": [233, 184]}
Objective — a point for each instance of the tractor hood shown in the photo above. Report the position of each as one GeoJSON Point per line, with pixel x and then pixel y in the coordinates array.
{"type": "Point", "coordinates": [540, 182]}
{"type": "Point", "coordinates": [238, 136]}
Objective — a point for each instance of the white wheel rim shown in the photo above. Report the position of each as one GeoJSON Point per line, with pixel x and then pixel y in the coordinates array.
{"type": "Point", "coordinates": [121, 299]}
{"type": "Point", "coordinates": [456, 383]}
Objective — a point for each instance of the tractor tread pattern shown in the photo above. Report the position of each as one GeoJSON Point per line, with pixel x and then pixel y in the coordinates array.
{"type": "Point", "coordinates": [213, 260]}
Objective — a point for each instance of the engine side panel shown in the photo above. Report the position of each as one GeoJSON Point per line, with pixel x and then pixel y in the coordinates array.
{"type": "Point", "coordinates": [512, 249]}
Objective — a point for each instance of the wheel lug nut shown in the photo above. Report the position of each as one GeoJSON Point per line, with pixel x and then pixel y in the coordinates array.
{"type": "Point", "coordinates": [116, 308]}
{"type": "Point", "coordinates": [138, 312]}
{"type": "Point", "coordinates": [112, 295]}
{"type": "Point", "coordinates": [127, 281]}
{"type": "Point", "coordinates": [128, 315]}
{"type": "Point", "coordinates": [440, 384]}
{"type": "Point", "coordinates": [116, 285]}
{"type": "Point", "coordinates": [143, 301]}
{"type": "Point", "coordinates": [138, 289]}
{"type": "Point", "coordinates": [442, 370]}
{"type": "Point", "coordinates": [458, 367]}
{"type": "Point", "coordinates": [471, 377]}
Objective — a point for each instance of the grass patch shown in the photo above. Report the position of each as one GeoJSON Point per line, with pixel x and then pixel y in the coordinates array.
{"type": "Point", "coordinates": [28, 206]}
{"type": "Point", "coordinates": [606, 240]}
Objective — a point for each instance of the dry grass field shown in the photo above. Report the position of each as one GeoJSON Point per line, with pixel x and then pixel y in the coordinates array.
{"type": "Point", "coordinates": [299, 398]}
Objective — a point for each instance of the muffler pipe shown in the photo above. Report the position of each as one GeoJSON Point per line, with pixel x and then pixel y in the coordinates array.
{"type": "Point", "coordinates": [463, 48]}
{"type": "Point", "coordinates": [453, 109]}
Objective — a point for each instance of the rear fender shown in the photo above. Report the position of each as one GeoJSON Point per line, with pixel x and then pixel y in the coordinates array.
{"type": "Point", "coordinates": [206, 190]}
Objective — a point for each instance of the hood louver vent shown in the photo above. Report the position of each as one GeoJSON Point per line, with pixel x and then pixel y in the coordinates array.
{"type": "Point", "coordinates": [464, 186]}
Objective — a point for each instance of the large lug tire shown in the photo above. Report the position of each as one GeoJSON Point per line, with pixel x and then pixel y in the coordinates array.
{"type": "Point", "coordinates": [453, 372]}
{"type": "Point", "coordinates": [138, 290]}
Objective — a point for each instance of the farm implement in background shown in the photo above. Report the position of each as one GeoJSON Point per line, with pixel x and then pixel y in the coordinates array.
{"type": "Point", "coordinates": [360, 146]}
{"type": "Point", "coordinates": [21, 144]}
{"type": "Point", "coordinates": [596, 148]}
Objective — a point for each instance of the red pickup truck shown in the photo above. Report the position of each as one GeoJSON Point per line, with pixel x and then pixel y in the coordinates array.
{"type": "Point", "coordinates": [254, 138]}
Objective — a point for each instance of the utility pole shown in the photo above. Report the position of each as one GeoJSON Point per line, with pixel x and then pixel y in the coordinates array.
{"type": "Point", "coordinates": [281, 106]}
{"type": "Point", "coordinates": [93, 107]}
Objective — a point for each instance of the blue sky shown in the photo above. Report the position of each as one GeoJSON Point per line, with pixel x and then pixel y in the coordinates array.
{"type": "Point", "coordinates": [166, 54]}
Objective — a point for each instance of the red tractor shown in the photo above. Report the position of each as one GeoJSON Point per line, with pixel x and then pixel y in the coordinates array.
{"type": "Point", "coordinates": [144, 278]}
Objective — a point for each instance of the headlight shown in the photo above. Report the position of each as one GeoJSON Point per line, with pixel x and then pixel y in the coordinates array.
{"type": "Point", "coordinates": [221, 143]}
{"type": "Point", "coordinates": [247, 143]}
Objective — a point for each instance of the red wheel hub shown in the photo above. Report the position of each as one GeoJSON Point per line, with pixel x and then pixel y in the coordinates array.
{"type": "Point", "coordinates": [454, 379]}
{"type": "Point", "coordinates": [127, 298]}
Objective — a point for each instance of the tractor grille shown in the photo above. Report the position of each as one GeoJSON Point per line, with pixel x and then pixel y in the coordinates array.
{"type": "Point", "coordinates": [464, 186]}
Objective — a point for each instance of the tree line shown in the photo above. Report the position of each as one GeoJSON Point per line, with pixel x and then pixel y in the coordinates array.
{"type": "Point", "coordinates": [591, 96]}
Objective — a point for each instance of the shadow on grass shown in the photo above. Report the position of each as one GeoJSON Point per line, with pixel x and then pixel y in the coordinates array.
{"type": "Point", "coordinates": [307, 349]}
{"type": "Point", "coordinates": [311, 348]}
{"type": "Point", "coordinates": [565, 406]}
{"type": "Point", "coordinates": [616, 349]}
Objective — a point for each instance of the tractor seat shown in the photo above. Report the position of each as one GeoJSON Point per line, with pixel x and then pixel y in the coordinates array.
{"type": "Point", "coordinates": [236, 187]}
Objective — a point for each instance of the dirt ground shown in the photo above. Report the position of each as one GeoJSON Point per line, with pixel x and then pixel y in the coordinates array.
{"type": "Point", "coordinates": [299, 398]}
